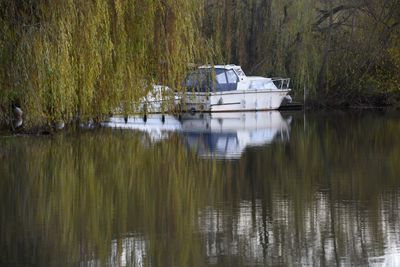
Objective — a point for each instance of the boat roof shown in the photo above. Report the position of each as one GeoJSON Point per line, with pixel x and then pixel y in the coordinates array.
{"type": "Point", "coordinates": [228, 67]}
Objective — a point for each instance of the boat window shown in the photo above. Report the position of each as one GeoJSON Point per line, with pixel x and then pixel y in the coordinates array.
{"type": "Point", "coordinates": [199, 81]}
{"type": "Point", "coordinates": [194, 79]}
{"type": "Point", "coordinates": [190, 80]}
{"type": "Point", "coordinates": [231, 75]}
{"type": "Point", "coordinates": [221, 78]}
{"type": "Point", "coordinates": [262, 84]}
{"type": "Point", "coordinates": [240, 72]}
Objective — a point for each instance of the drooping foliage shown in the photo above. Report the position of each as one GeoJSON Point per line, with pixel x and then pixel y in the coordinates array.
{"type": "Point", "coordinates": [341, 50]}
{"type": "Point", "coordinates": [71, 59]}
{"type": "Point", "coordinates": [65, 59]}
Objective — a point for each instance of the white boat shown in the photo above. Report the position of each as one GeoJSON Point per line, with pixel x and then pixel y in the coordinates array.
{"type": "Point", "coordinates": [161, 99]}
{"type": "Point", "coordinates": [223, 88]}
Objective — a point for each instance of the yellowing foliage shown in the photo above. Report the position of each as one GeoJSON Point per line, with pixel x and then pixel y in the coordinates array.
{"type": "Point", "coordinates": [82, 59]}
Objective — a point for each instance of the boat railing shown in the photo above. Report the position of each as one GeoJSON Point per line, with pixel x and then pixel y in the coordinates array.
{"type": "Point", "coordinates": [281, 83]}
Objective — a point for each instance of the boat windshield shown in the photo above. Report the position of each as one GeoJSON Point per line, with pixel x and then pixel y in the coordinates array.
{"type": "Point", "coordinates": [211, 80]}
{"type": "Point", "coordinates": [262, 84]}
{"type": "Point", "coordinates": [226, 80]}
{"type": "Point", "coordinates": [199, 80]}
{"type": "Point", "coordinates": [239, 72]}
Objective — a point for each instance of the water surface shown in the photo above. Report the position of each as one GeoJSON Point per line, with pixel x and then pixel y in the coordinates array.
{"type": "Point", "coordinates": [235, 189]}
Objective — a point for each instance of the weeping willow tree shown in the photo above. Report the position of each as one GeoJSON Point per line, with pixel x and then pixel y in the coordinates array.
{"type": "Point", "coordinates": [341, 51]}
{"type": "Point", "coordinates": [66, 59]}
{"type": "Point", "coordinates": [266, 37]}
{"type": "Point", "coordinates": [83, 59]}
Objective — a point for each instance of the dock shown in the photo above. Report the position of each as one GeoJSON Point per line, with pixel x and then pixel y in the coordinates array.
{"type": "Point", "coordinates": [291, 106]}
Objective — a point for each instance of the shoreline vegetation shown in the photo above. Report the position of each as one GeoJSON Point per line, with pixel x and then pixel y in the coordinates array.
{"type": "Point", "coordinates": [76, 60]}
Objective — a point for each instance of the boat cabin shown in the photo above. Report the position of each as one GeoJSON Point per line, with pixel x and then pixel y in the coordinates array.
{"type": "Point", "coordinates": [214, 79]}
{"type": "Point", "coordinates": [221, 78]}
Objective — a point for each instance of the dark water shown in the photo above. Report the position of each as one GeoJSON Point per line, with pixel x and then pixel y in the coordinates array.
{"type": "Point", "coordinates": [249, 189]}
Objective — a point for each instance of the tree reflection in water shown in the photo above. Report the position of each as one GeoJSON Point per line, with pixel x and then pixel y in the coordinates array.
{"type": "Point", "coordinates": [327, 195]}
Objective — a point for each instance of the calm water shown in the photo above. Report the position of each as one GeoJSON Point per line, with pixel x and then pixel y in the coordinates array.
{"type": "Point", "coordinates": [249, 189]}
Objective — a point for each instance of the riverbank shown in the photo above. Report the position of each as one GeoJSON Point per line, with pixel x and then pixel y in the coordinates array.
{"type": "Point", "coordinates": [355, 101]}
{"type": "Point", "coordinates": [310, 107]}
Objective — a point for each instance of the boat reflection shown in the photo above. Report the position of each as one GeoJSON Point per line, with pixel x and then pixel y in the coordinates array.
{"type": "Point", "coordinates": [227, 135]}
{"type": "Point", "coordinates": [156, 127]}
{"type": "Point", "coordinates": [217, 135]}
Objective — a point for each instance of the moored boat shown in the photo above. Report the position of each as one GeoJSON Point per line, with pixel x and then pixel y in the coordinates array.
{"type": "Point", "coordinates": [223, 88]}
{"type": "Point", "coordinates": [161, 99]}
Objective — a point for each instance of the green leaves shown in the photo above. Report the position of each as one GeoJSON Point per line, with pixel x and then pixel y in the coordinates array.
{"type": "Point", "coordinates": [329, 48]}
{"type": "Point", "coordinates": [84, 59]}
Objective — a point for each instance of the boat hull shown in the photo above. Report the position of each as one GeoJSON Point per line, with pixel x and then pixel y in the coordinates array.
{"type": "Point", "coordinates": [239, 100]}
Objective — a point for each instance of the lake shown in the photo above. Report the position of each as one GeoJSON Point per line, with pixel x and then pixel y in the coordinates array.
{"type": "Point", "coordinates": [233, 189]}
